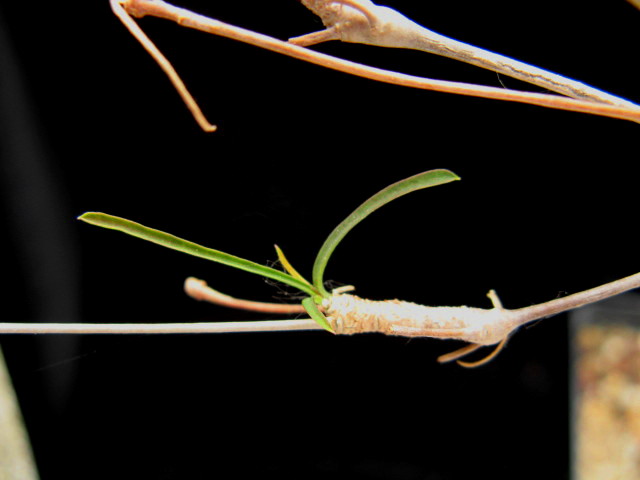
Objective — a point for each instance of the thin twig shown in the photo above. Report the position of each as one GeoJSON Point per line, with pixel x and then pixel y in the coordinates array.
{"type": "Point", "coordinates": [158, 8]}
{"type": "Point", "coordinates": [586, 297]}
{"type": "Point", "coordinates": [155, 328]}
{"type": "Point", "coordinates": [166, 66]}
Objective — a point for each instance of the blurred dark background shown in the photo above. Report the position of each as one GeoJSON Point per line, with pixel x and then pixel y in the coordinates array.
{"type": "Point", "coordinates": [547, 206]}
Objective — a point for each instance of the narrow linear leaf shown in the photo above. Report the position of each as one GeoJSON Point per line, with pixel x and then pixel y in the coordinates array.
{"type": "Point", "coordinates": [393, 191]}
{"type": "Point", "coordinates": [288, 267]}
{"type": "Point", "coordinates": [170, 241]}
{"type": "Point", "coordinates": [314, 312]}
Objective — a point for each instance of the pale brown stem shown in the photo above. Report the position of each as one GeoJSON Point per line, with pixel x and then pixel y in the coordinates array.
{"type": "Point", "coordinates": [199, 290]}
{"type": "Point", "coordinates": [586, 297]}
{"type": "Point", "coordinates": [193, 20]}
{"type": "Point", "coordinates": [314, 38]}
{"type": "Point", "coordinates": [161, 60]}
{"type": "Point", "coordinates": [513, 68]}
{"type": "Point", "coordinates": [381, 26]}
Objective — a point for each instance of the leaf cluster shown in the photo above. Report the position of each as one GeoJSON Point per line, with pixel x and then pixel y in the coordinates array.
{"type": "Point", "coordinates": [290, 276]}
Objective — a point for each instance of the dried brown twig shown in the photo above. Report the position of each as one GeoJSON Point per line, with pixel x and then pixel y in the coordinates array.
{"type": "Point", "coordinates": [361, 21]}
{"type": "Point", "coordinates": [364, 22]}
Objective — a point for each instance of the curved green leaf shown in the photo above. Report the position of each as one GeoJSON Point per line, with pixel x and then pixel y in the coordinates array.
{"type": "Point", "coordinates": [176, 243]}
{"type": "Point", "coordinates": [314, 312]}
{"type": "Point", "coordinates": [398, 189]}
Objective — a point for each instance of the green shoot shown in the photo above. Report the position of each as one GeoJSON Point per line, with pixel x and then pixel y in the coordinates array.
{"type": "Point", "coordinates": [398, 189]}
{"type": "Point", "coordinates": [175, 243]}
{"type": "Point", "coordinates": [316, 291]}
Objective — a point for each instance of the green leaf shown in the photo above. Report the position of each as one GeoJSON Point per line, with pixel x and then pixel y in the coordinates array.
{"type": "Point", "coordinates": [398, 189]}
{"type": "Point", "coordinates": [288, 267]}
{"type": "Point", "coordinates": [314, 312]}
{"type": "Point", "coordinates": [175, 243]}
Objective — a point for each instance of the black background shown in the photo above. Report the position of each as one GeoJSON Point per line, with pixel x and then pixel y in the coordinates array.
{"type": "Point", "coordinates": [546, 206]}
